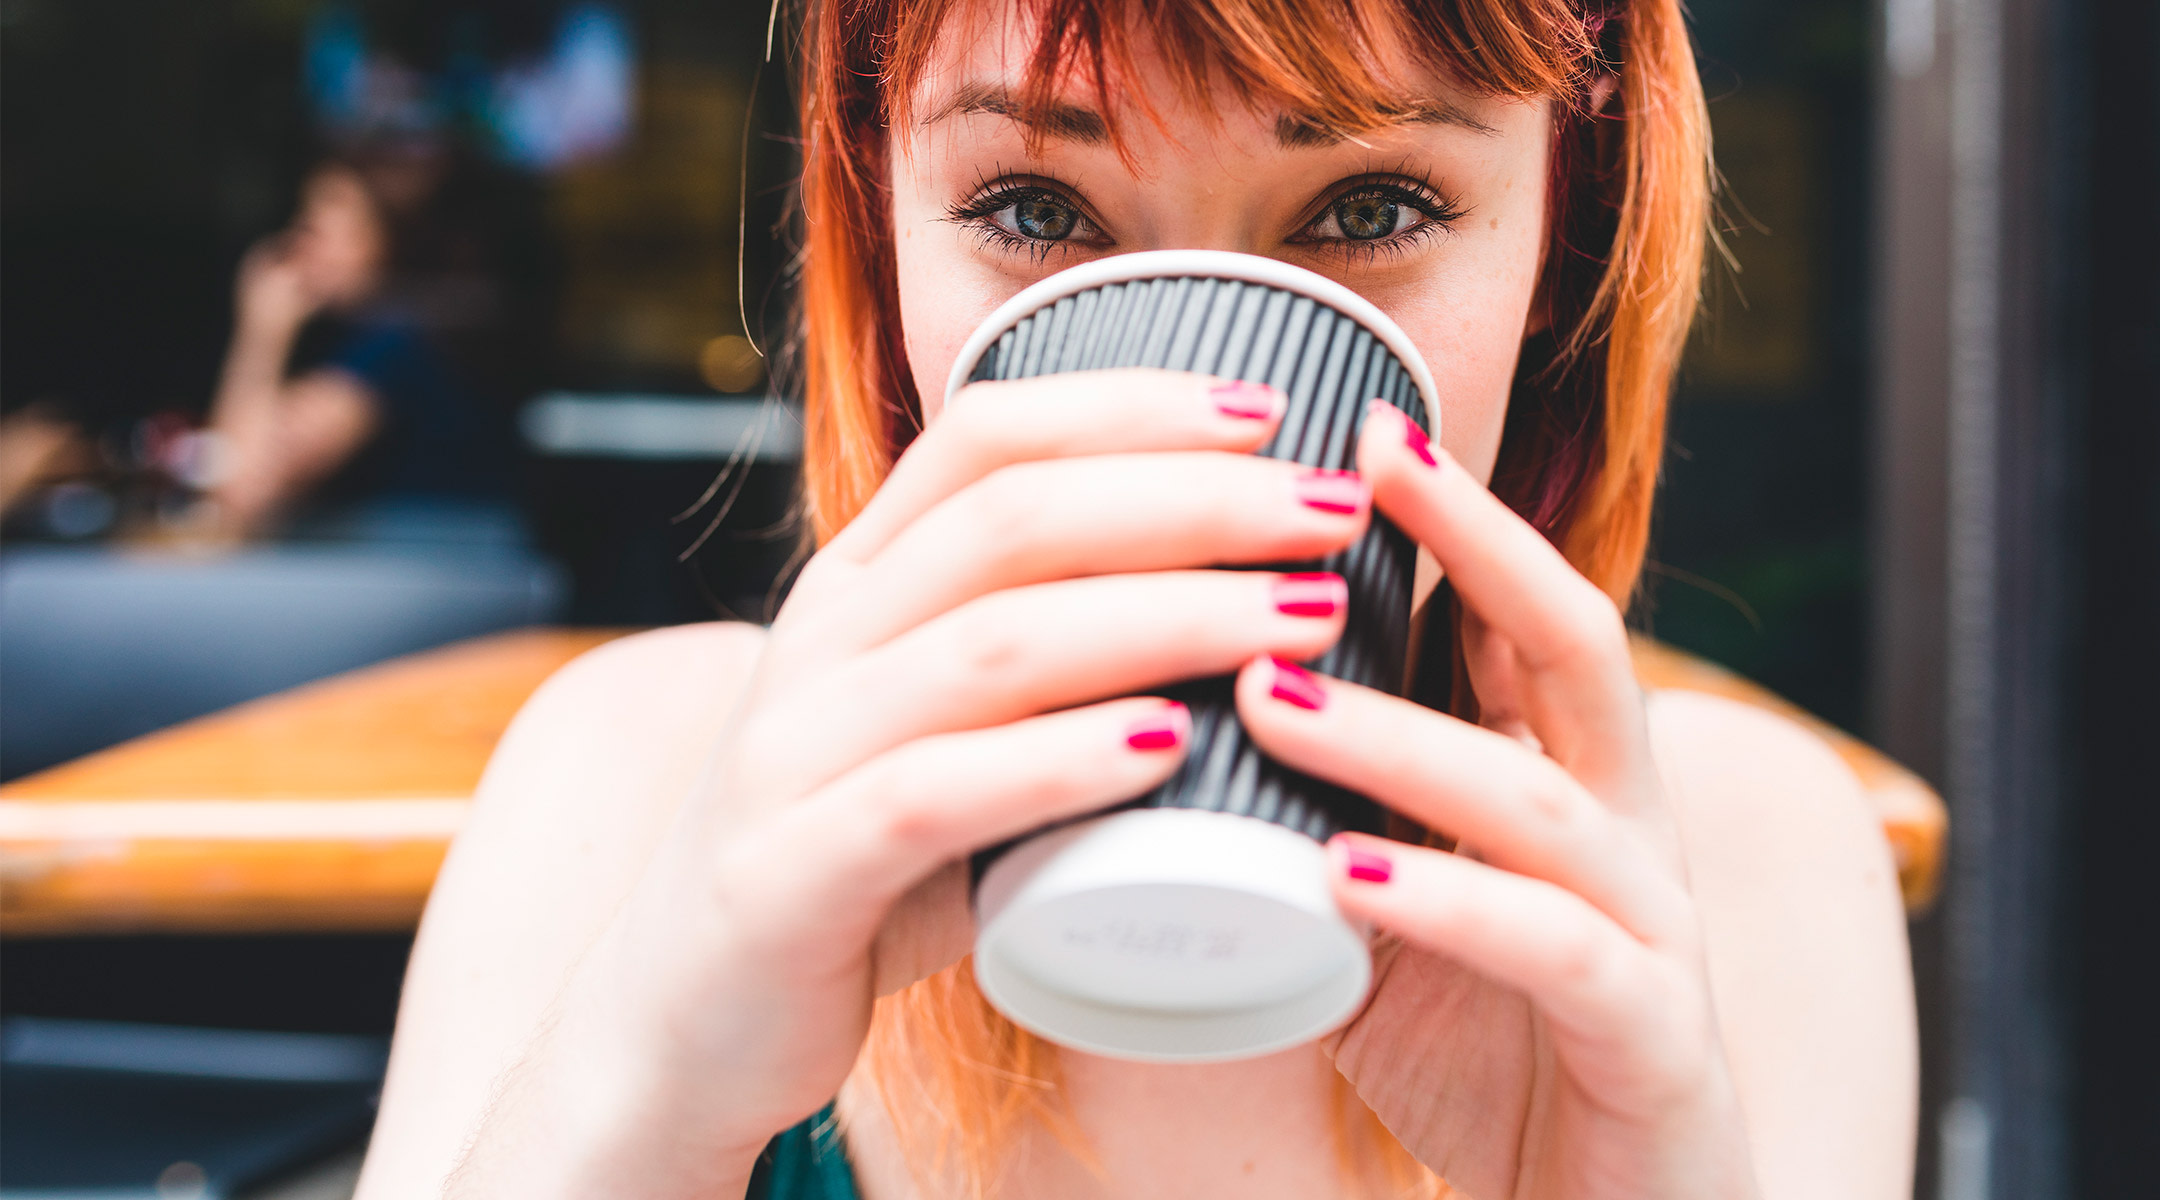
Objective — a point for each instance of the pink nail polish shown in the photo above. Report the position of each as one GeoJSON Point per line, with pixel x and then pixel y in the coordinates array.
{"type": "Point", "coordinates": [1419, 444]}
{"type": "Point", "coordinates": [1246, 400]}
{"type": "Point", "coordinates": [1315, 594]}
{"type": "Point", "coordinates": [1371, 868]}
{"type": "Point", "coordinates": [1165, 730]}
{"type": "Point", "coordinates": [1332, 491]}
{"type": "Point", "coordinates": [1295, 685]}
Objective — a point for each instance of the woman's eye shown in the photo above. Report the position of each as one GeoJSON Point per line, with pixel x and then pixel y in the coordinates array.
{"type": "Point", "coordinates": [1028, 219]}
{"type": "Point", "coordinates": [1044, 218]}
{"type": "Point", "coordinates": [1363, 218]}
{"type": "Point", "coordinates": [1368, 217]}
{"type": "Point", "coordinates": [1373, 218]}
{"type": "Point", "coordinates": [1031, 214]}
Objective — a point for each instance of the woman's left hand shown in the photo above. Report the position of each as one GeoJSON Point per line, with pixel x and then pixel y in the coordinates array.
{"type": "Point", "coordinates": [1541, 1026]}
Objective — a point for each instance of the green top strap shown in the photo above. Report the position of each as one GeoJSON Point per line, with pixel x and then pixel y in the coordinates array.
{"type": "Point", "coordinates": [807, 1162]}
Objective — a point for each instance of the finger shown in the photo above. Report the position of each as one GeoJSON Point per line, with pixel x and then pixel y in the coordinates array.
{"type": "Point", "coordinates": [1021, 651]}
{"type": "Point", "coordinates": [1520, 809]}
{"type": "Point", "coordinates": [994, 424]}
{"type": "Point", "coordinates": [1496, 680]}
{"type": "Point", "coordinates": [821, 873]}
{"type": "Point", "coordinates": [1580, 969]}
{"type": "Point", "coordinates": [1577, 686]}
{"type": "Point", "coordinates": [1041, 521]}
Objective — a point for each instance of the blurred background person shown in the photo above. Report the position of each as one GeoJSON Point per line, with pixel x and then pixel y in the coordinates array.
{"type": "Point", "coordinates": [376, 348]}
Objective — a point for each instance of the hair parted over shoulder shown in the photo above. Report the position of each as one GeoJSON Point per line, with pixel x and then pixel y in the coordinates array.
{"type": "Point", "coordinates": [1629, 208]}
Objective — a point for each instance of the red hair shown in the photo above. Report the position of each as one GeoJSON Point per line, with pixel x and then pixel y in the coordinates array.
{"type": "Point", "coordinates": [1628, 217]}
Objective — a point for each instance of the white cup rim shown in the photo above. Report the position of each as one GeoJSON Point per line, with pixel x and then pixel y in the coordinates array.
{"type": "Point", "coordinates": [1205, 264]}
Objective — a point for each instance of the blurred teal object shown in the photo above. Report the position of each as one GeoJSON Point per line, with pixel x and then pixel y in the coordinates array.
{"type": "Point", "coordinates": [99, 645]}
{"type": "Point", "coordinates": [94, 1110]}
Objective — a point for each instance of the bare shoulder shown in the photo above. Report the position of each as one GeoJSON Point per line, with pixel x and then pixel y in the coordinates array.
{"type": "Point", "coordinates": [647, 694]}
{"type": "Point", "coordinates": [1804, 931]}
{"type": "Point", "coordinates": [582, 788]}
{"type": "Point", "coordinates": [634, 679]}
{"type": "Point", "coordinates": [608, 747]}
{"type": "Point", "coordinates": [599, 759]}
{"type": "Point", "coordinates": [1751, 786]}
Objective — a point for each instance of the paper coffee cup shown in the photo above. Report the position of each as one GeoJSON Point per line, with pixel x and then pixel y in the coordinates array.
{"type": "Point", "coordinates": [1196, 923]}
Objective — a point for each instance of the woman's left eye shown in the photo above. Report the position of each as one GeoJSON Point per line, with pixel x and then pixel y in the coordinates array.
{"type": "Point", "coordinates": [1370, 216]}
{"type": "Point", "coordinates": [1375, 215]}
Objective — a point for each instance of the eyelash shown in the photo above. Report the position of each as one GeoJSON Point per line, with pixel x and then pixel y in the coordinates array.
{"type": "Point", "coordinates": [1416, 193]}
{"type": "Point", "coordinates": [976, 213]}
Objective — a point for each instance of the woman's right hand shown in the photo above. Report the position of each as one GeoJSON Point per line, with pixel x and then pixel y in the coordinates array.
{"type": "Point", "coordinates": [939, 680]}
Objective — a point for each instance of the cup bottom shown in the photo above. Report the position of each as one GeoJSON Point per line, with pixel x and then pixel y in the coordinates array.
{"type": "Point", "coordinates": [1169, 935]}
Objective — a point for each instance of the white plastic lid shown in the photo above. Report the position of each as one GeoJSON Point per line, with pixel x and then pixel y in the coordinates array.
{"type": "Point", "coordinates": [1169, 935]}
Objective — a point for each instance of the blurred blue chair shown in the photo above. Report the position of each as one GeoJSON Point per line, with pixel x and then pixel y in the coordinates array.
{"type": "Point", "coordinates": [99, 645]}
{"type": "Point", "coordinates": [103, 1111]}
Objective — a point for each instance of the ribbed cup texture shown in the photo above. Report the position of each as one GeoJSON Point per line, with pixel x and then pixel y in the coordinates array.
{"type": "Point", "coordinates": [1329, 365]}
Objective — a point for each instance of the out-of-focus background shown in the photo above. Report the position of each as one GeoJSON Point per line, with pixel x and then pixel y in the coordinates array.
{"type": "Point", "coordinates": [340, 330]}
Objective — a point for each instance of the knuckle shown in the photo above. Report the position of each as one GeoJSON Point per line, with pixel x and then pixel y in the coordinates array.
{"type": "Point", "coordinates": [818, 575]}
{"type": "Point", "coordinates": [1591, 630]}
{"type": "Point", "coordinates": [1555, 798]}
{"type": "Point", "coordinates": [972, 427]}
{"type": "Point", "coordinates": [1583, 961]}
{"type": "Point", "coordinates": [997, 644]}
{"type": "Point", "coordinates": [974, 395]}
{"type": "Point", "coordinates": [904, 815]}
{"type": "Point", "coordinates": [1006, 507]}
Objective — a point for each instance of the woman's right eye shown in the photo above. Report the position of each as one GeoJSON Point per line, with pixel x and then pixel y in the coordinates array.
{"type": "Point", "coordinates": [1030, 217]}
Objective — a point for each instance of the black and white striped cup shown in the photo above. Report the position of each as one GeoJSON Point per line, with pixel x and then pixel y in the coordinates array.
{"type": "Point", "coordinates": [1196, 923]}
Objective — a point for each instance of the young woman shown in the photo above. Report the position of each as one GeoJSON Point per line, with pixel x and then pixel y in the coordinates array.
{"type": "Point", "coordinates": [715, 877]}
{"type": "Point", "coordinates": [394, 255]}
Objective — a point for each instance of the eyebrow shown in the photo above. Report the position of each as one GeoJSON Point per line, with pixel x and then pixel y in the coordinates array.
{"type": "Point", "coordinates": [1304, 133]}
{"type": "Point", "coordinates": [1068, 121]}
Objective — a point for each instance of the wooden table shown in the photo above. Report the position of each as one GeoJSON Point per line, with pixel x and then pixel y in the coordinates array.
{"type": "Point", "coordinates": [329, 807]}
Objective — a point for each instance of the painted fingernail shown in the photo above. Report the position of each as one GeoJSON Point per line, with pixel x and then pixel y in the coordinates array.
{"type": "Point", "coordinates": [1419, 444]}
{"type": "Point", "coordinates": [1315, 594]}
{"type": "Point", "coordinates": [1332, 491]}
{"type": "Point", "coordinates": [1165, 730]}
{"type": "Point", "coordinates": [1371, 868]}
{"type": "Point", "coordinates": [1246, 399]}
{"type": "Point", "coordinates": [1294, 684]}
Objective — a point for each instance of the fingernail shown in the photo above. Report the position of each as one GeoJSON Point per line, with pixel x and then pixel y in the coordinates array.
{"type": "Point", "coordinates": [1332, 491]}
{"type": "Point", "coordinates": [1246, 399]}
{"type": "Point", "coordinates": [1165, 730]}
{"type": "Point", "coordinates": [1419, 444]}
{"type": "Point", "coordinates": [1372, 868]}
{"type": "Point", "coordinates": [1316, 594]}
{"type": "Point", "coordinates": [1294, 684]}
